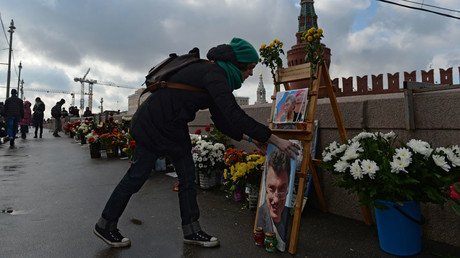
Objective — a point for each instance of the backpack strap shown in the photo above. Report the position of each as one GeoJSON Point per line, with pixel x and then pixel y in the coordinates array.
{"type": "Point", "coordinates": [169, 85]}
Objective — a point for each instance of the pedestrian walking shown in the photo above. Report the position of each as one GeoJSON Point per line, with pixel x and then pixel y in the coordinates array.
{"type": "Point", "coordinates": [38, 116]}
{"type": "Point", "coordinates": [26, 120]}
{"type": "Point", "coordinates": [14, 112]}
{"type": "Point", "coordinates": [57, 114]}
{"type": "Point", "coordinates": [160, 128]}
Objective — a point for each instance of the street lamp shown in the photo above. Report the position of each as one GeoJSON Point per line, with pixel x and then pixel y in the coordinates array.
{"type": "Point", "coordinates": [19, 77]}
{"type": "Point", "coordinates": [11, 31]}
{"type": "Point", "coordinates": [22, 89]}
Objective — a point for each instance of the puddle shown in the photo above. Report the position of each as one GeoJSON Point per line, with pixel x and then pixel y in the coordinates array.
{"type": "Point", "coordinates": [13, 212]}
{"type": "Point", "coordinates": [11, 168]}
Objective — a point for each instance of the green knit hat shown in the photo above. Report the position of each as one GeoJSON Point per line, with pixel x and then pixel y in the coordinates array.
{"type": "Point", "coordinates": [244, 51]}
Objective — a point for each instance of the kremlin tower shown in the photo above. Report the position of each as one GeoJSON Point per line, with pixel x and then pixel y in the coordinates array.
{"type": "Point", "coordinates": [307, 19]}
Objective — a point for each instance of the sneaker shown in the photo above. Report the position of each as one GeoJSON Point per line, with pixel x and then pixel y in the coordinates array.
{"type": "Point", "coordinates": [201, 238]}
{"type": "Point", "coordinates": [112, 238]}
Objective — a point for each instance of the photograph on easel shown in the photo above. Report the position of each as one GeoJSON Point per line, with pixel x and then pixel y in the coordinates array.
{"type": "Point", "coordinates": [290, 106]}
{"type": "Point", "coordinates": [275, 196]}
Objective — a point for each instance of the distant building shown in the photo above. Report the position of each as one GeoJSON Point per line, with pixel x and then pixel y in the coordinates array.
{"type": "Point", "coordinates": [242, 101]}
{"type": "Point", "coordinates": [133, 101]}
{"type": "Point", "coordinates": [261, 95]}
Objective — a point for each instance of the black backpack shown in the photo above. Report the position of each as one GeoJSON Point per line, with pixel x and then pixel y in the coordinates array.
{"type": "Point", "coordinates": [55, 111]}
{"type": "Point", "coordinates": [159, 73]}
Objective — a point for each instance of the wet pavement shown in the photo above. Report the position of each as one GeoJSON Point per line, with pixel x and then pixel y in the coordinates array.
{"type": "Point", "coordinates": [52, 193]}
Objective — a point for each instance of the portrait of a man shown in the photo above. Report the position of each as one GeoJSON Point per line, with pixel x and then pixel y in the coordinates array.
{"type": "Point", "coordinates": [273, 213]}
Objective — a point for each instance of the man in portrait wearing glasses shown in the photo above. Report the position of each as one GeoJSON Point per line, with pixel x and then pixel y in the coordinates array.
{"type": "Point", "coordinates": [273, 214]}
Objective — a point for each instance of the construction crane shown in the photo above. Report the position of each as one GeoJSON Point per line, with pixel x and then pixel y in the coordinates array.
{"type": "Point", "coordinates": [91, 82]}
{"type": "Point", "coordinates": [72, 94]}
{"type": "Point", "coordinates": [82, 80]}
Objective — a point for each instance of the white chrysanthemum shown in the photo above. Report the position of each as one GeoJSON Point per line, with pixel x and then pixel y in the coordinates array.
{"type": "Point", "coordinates": [369, 167]}
{"type": "Point", "coordinates": [363, 135]}
{"type": "Point", "coordinates": [389, 136]}
{"type": "Point", "coordinates": [397, 165]}
{"type": "Point", "coordinates": [420, 147]}
{"type": "Point", "coordinates": [352, 151]}
{"type": "Point", "coordinates": [327, 157]}
{"type": "Point", "coordinates": [453, 157]}
{"type": "Point", "coordinates": [341, 148]}
{"type": "Point", "coordinates": [340, 166]}
{"type": "Point", "coordinates": [356, 170]}
{"type": "Point", "coordinates": [441, 162]}
{"type": "Point", "coordinates": [403, 153]}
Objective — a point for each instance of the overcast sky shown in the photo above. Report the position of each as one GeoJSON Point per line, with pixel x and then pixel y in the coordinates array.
{"type": "Point", "coordinates": [121, 39]}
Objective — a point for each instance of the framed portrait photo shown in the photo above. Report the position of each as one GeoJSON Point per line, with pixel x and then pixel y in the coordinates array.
{"type": "Point", "coordinates": [276, 194]}
{"type": "Point", "coordinates": [290, 106]}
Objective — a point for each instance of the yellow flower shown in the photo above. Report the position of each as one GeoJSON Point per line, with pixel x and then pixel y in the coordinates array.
{"type": "Point", "coordinates": [263, 46]}
{"type": "Point", "coordinates": [320, 31]}
{"type": "Point", "coordinates": [309, 38]}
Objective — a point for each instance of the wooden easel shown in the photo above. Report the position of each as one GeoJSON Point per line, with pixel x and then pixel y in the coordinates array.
{"type": "Point", "coordinates": [304, 131]}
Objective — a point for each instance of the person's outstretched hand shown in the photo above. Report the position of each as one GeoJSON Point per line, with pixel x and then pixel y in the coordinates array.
{"type": "Point", "coordinates": [286, 146]}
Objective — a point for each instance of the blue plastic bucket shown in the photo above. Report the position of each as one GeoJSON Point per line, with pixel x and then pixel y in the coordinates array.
{"type": "Point", "coordinates": [399, 227]}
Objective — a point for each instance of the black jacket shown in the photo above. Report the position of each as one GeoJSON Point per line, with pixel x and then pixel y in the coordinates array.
{"type": "Point", "coordinates": [39, 109]}
{"type": "Point", "coordinates": [14, 107]}
{"type": "Point", "coordinates": [161, 122]}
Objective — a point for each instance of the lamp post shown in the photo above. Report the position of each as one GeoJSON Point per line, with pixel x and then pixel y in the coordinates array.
{"type": "Point", "coordinates": [11, 31]}
{"type": "Point", "coordinates": [19, 77]}
{"type": "Point", "coordinates": [22, 89]}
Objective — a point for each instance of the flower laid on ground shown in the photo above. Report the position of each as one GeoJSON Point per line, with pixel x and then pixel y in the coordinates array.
{"type": "Point", "coordinates": [208, 157]}
{"type": "Point", "coordinates": [270, 56]}
{"type": "Point", "coordinates": [243, 168]}
{"type": "Point", "coordinates": [370, 166]}
{"type": "Point", "coordinates": [314, 48]}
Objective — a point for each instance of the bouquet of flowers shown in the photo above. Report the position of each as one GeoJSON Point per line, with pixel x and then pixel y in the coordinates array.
{"type": "Point", "coordinates": [270, 56]}
{"type": "Point", "coordinates": [129, 146]}
{"type": "Point", "coordinates": [83, 129]}
{"type": "Point", "coordinates": [108, 139]}
{"type": "Point", "coordinates": [208, 156]}
{"type": "Point", "coordinates": [370, 166]}
{"type": "Point", "coordinates": [314, 47]}
{"type": "Point", "coordinates": [243, 168]}
{"type": "Point", "coordinates": [212, 134]}
{"type": "Point", "coordinates": [92, 138]}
